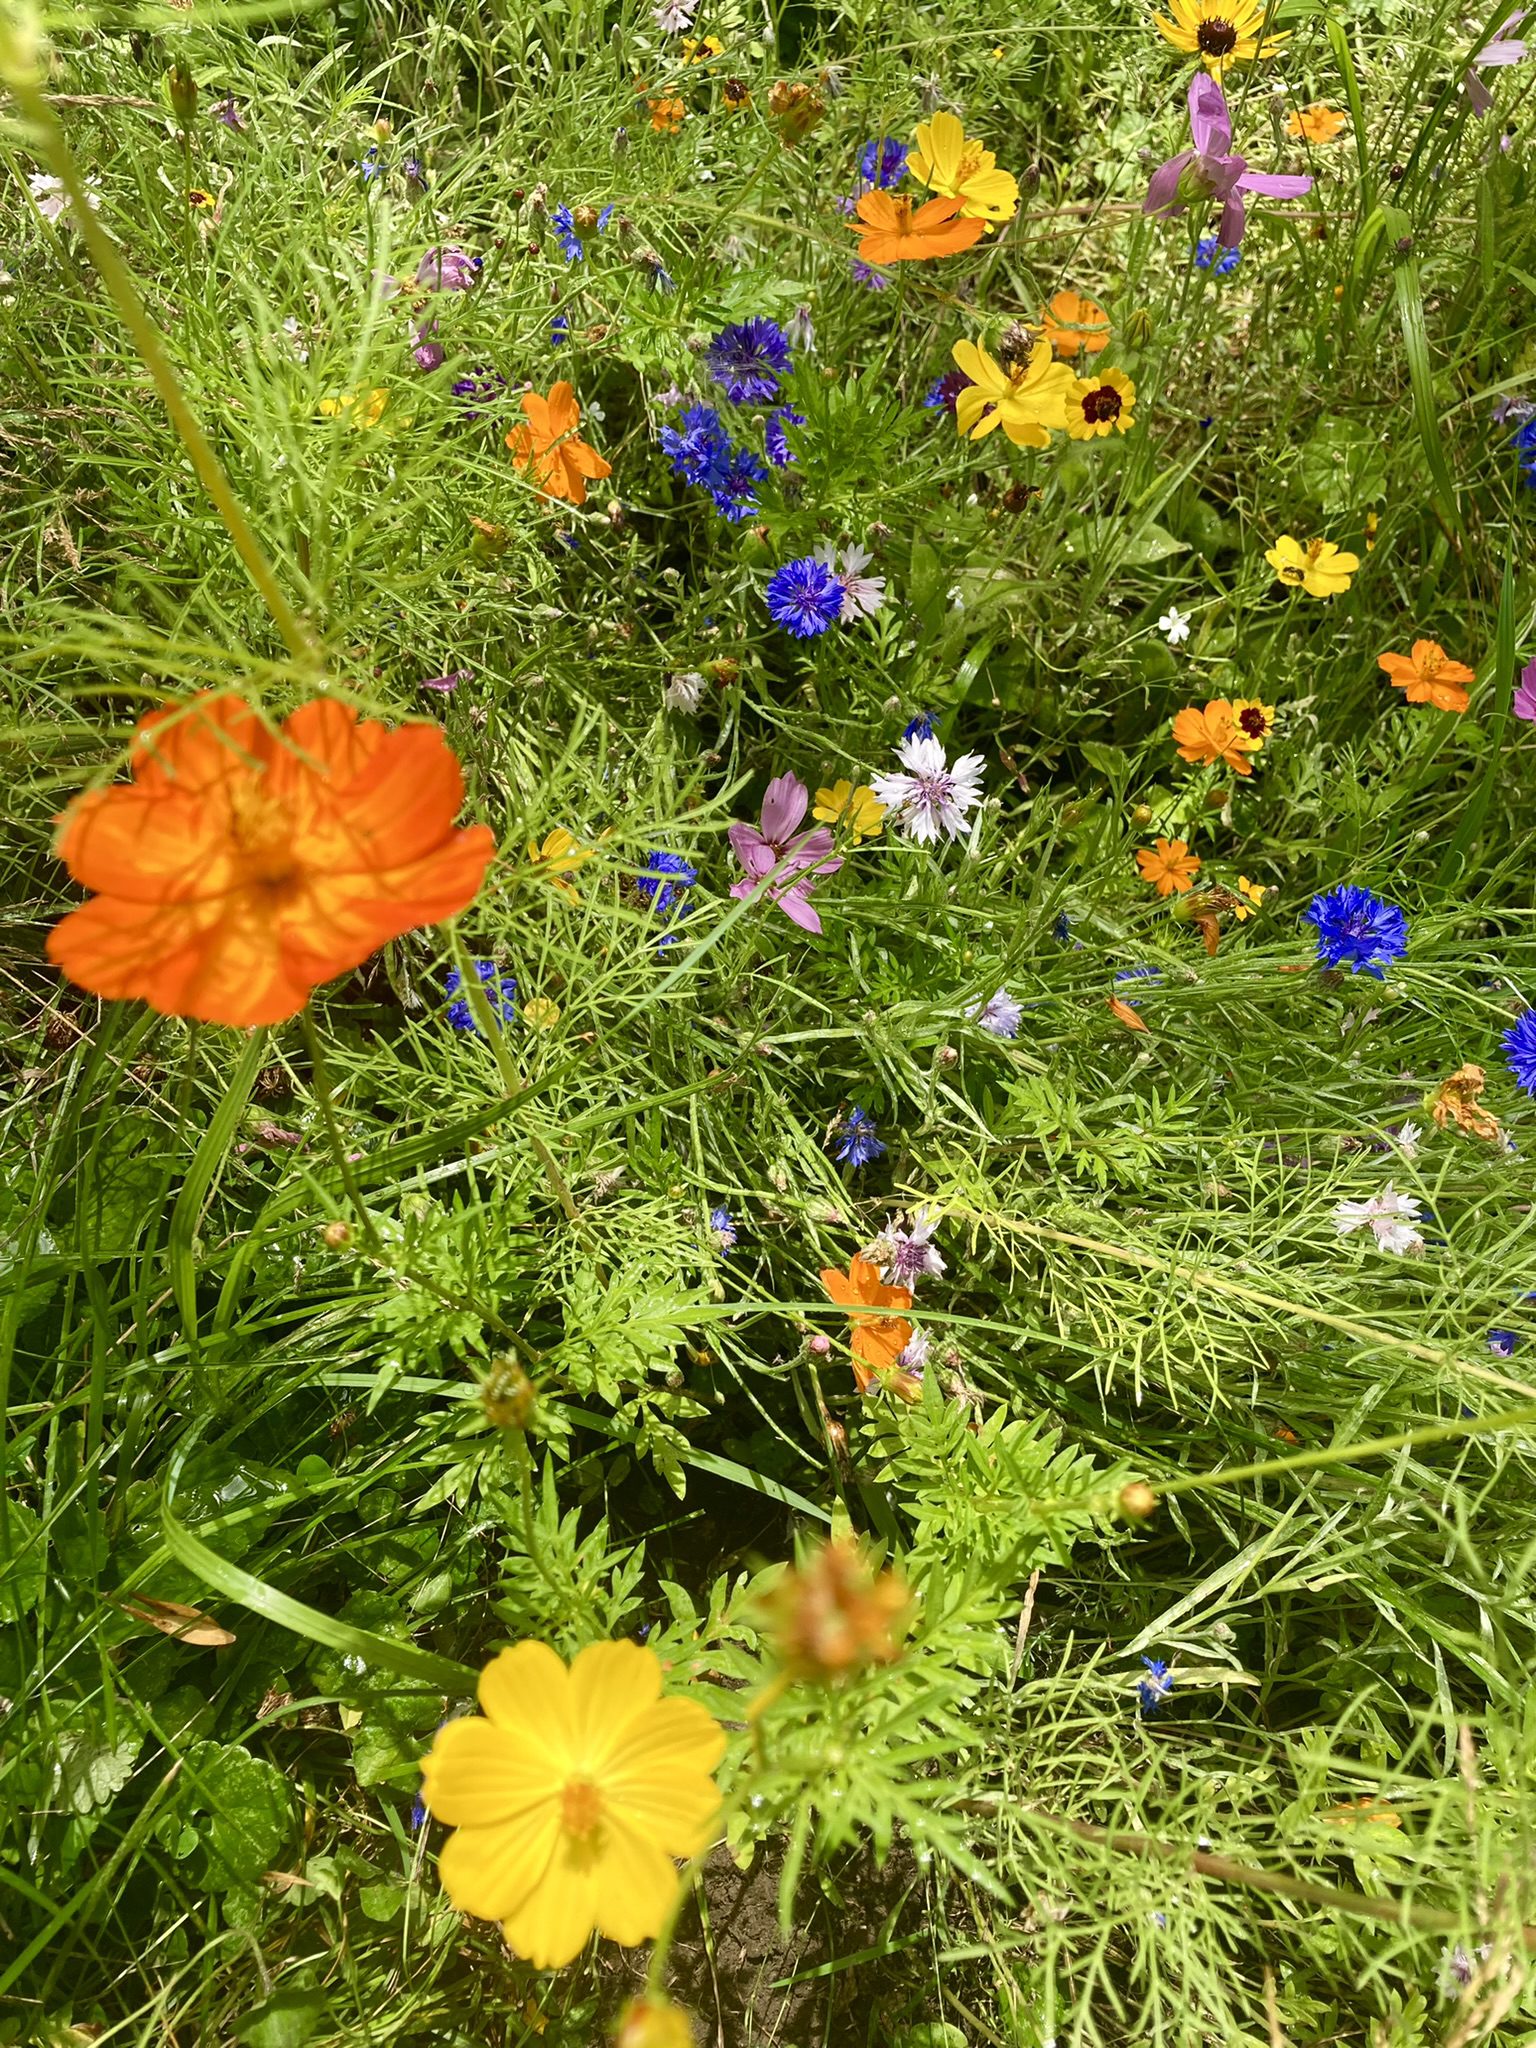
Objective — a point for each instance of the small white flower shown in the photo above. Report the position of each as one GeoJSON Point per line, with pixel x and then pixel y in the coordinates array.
{"type": "Point", "coordinates": [51, 198]}
{"type": "Point", "coordinates": [292, 329]}
{"type": "Point", "coordinates": [673, 16]}
{"type": "Point", "coordinates": [999, 1014]}
{"type": "Point", "coordinates": [1391, 1218]}
{"type": "Point", "coordinates": [799, 332]}
{"type": "Point", "coordinates": [862, 595]}
{"type": "Point", "coordinates": [685, 692]}
{"type": "Point", "coordinates": [914, 1354]}
{"type": "Point", "coordinates": [933, 798]}
{"type": "Point", "coordinates": [1173, 626]}
{"type": "Point", "coordinates": [1408, 1141]}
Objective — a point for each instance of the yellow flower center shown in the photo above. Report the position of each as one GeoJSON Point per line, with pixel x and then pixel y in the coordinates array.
{"type": "Point", "coordinates": [262, 831]}
{"type": "Point", "coordinates": [581, 1808]}
{"type": "Point", "coordinates": [970, 162]}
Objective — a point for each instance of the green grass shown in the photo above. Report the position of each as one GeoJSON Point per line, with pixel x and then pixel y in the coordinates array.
{"type": "Point", "coordinates": [211, 1402]}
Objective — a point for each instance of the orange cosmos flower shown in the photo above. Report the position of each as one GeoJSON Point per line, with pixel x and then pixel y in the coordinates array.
{"type": "Point", "coordinates": [1315, 124]}
{"type": "Point", "coordinates": [1071, 322]}
{"type": "Point", "coordinates": [547, 443]}
{"type": "Point", "coordinates": [1214, 734]}
{"type": "Point", "coordinates": [244, 866]}
{"type": "Point", "coordinates": [878, 1340]}
{"type": "Point", "coordinates": [667, 116]}
{"type": "Point", "coordinates": [1168, 864]}
{"type": "Point", "coordinates": [892, 232]}
{"type": "Point", "coordinates": [1429, 676]}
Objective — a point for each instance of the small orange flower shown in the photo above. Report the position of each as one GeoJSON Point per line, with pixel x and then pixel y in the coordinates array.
{"type": "Point", "coordinates": [1315, 124]}
{"type": "Point", "coordinates": [1168, 864]}
{"type": "Point", "coordinates": [1214, 735]}
{"type": "Point", "coordinates": [1429, 676]}
{"type": "Point", "coordinates": [838, 1613]}
{"type": "Point", "coordinates": [547, 443]}
{"type": "Point", "coordinates": [893, 232]}
{"type": "Point", "coordinates": [1070, 322]}
{"type": "Point", "coordinates": [244, 866]}
{"type": "Point", "coordinates": [878, 1340]}
{"type": "Point", "coordinates": [667, 115]}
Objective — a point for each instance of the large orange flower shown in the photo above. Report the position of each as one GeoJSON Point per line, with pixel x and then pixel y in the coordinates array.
{"type": "Point", "coordinates": [547, 443]}
{"type": "Point", "coordinates": [878, 1339]}
{"type": "Point", "coordinates": [1214, 734]}
{"type": "Point", "coordinates": [243, 866]}
{"type": "Point", "coordinates": [1429, 676]}
{"type": "Point", "coordinates": [894, 232]}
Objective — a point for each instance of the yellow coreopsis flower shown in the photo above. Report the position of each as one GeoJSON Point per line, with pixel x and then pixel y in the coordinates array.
{"type": "Point", "coordinates": [357, 408]}
{"type": "Point", "coordinates": [1100, 405]}
{"type": "Point", "coordinates": [859, 809]}
{"type": "Point", "coordinates": [1026, 398]}
{"type": "Point", "coordinates": [958, 166]}
{"type": "Point", "coordinates": [1316, 566]}
{"type": "Point", "coordinates": [560, 854]}
{"type": "Point", "coordinates": [1220, 33]}
{"type": "Point", "coordinates": [569, 1795]}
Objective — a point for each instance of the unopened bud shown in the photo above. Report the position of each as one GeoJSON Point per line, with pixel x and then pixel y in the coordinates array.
{"type": "Point", "coordinates": [948, 1055]}
{"type": "Point", "coordinates": [653, 2023]}
{"type": "Point", "coordinates": [1139, 326]}
{"type": "Point", "coordinates": [507, 1396]}
{"type": "Point", "coordinates": [383, 128]}
{"type": "Point", "coordinates": [820, 1345]}
{"type": "Point", "coordinates": [336, 1236]}
{"type": "Point", "coordinates": [1137, 1501]}
{"type": "Point", "coordinates": [585, 217]}
{"type": "Point", "coordinates": [1141, 814]}
{"type": "Point", "coordinates": [620, 141]}
{"type": "Point", "coordinates": [838, 1613]}
{"type": "Point", "coordinates": [182, 87]}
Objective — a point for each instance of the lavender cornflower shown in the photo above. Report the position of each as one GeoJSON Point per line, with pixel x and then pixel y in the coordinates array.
{"type": "Point", "coordinates": [933, 797]}
{"type": "Point", "coordinates": [501, 993]}
{"type": "Point", "coordinates": [805, 598]}
{"type": "Point", "coordinates": [1505, 49]}
{"type": "Point", "coordinates": [478, 387]}
{"type": "Point", "coordinates": [907, 1256]}
{"type": "Point", "coordinates": [447, 684]}
{"type": "Point", "coordinates": [862, 595]}
{"type": "Point", "coordinates": [414, 171]}
{"type": "Point", "coordinates": [1357, 930]}
{"type": "Point", "coordinates": [856, 1140]}
{"type": "Point", "coordinates": [800, 331]}
{"type": "Point", "coordinates": [449, 269]}
{"type": "Point", "coordinates": [228, 112]}
{"type": "Point", "coordinates": [1524, 704]}
{"type": "Point", "coordinates": [1519, 1043]}
{"type": "Point", "coordinates": [1154, 1689]}
{"type": "Point", "coordinates": [723, 1230]}
{"type": "Point", "coordinates": [775, 440]}
{"type": "Point", "coordinates": [871, 280]}
{"type": "Point", "coordinates": [748, 359]}
{"type": "Point", "coordinates": [999, 1014]}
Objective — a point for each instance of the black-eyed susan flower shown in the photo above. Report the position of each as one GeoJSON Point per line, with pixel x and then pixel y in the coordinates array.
{"type": "Point", "coordinates": [1318, 567]}
{"type": "Point", "coordinates": [1095, 406]}
{"type": "Point", "coordinates": [1254, 722]}
{"type": "Point", "coordinates": [1220, 33]}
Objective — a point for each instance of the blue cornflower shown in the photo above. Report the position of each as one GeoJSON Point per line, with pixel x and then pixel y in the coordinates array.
{"type": "Point", "coordinates": [775, 440]}
{"type": "Point", "coordinates": [734, 487]}
{"type": "Point", "coordinates": [559, 330]}
{"type": "Point", "coordinates": [662, 881]}
{"type": "Point", "coordinates": [1061, 930]}
{"type": "Point", "coordinates": [857, 1142]}
{"type": "Point", "coordinates": [563, 224]}
{"type": "Point", "coordinates": [883, 164]}
{"type": "Point", "coordinates": [805, 598]}
{"type": "Point", "coordinates": [500, 989]}
{"type": "Point", "coordinates": [723, 1229]}
{"type": "Point", "coordinates": [1152, 1690]}
{"type": "Point", "coordinates": [1502, 1343]}
{"type": "Point", "coordinates": [370, 167]}
{"type": "Point", "coordinates": [1519, 1043]}
{"type": "Point", "coordinates": [1210, 255]}
{"type": "Point", "coordinates": [943, 391]}
{"type": "Point", "coordinates": [700, 449]}
{"type": "Point", "coordinates": [919, 728]}
{"type": "Point", "coordinates": [748, 359]}
{"type": "Point", "coordinates": [1357, 929]}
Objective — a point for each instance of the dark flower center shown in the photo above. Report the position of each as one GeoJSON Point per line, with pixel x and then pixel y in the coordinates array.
{"type": "Point", "coordinates": [1103, 404]}
{"type": "Point", "coordinates": [1253, 722]}
{"type": "Point", "coordinates": [1216, 37]}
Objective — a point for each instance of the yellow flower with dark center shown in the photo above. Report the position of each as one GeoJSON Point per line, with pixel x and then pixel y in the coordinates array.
{"type": "Point", "coordinates": [201, 201]}
{"type": "Point", "coordinates": [1318, 567]}
{"type": "Point", "coordinates": [1099, 405]}
{"type": "Point", "coordinates": [1253, 722]}
{"type": "Point", "coordinates": [958, 166]}
{"type": "Point", "coordinates": [860, 810]}
{"type": "Point", "coordinates": [699, 49]}
{"type": "Point", "coordinates": [1026, 398]}
{"type": "Point", "coordinates": [569, 1795]}
{"type": "Point", "coordinates": [357, 408]}
{"type": "Point", "coordinates": [1220, 33]}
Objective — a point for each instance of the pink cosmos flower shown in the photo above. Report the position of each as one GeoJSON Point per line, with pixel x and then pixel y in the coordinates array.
{"type": "Point", "coordinates": [1524, 705]}
{"type": "Point", "coordinates": [1209, 171]}
{"type": "Point", "coordinates": [1505, 49]}
{"type": "Point", "coordinates": [788, 867]}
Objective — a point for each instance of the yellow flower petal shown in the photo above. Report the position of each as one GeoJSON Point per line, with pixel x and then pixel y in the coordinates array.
{"type": "Point", "coordinates": [491, 1872]}
{"type": "Point", "coordinates": [526, 1689]}
{"type": "Point", "coordinates": [478, 1775]}
{"type": "Point", "coordinates": [550, 1926]}
{"type": "Point", "coordinates": [612, 1685]}
{"type": "Point", "coordinates": [634, 1885]}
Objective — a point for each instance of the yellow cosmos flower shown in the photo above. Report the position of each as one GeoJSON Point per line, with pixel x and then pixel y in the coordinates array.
{"type": "Point", "coordinates": [654, 2023]}
{"type": "Point", "coordinates": [1098, 405]}
{"type": "Point", "coordinates": [958, 166]}
{"type": "Point", "coordinates": [1315, 566]}
{"type": "Point", "coordinates": [859, 809]}
{"type": "Point", "coordinates": [1025, 396]}
{"type": "Point", "coordinates": [1316, 124]}
{"type": "Point", "coordinates": [560, 854]}
{"type": "Point", "coordinates": [541, 1013]}
{"type": "Point", "coordinates": [1220, 33]}
{"type": "Point", "coordinates": [1255, 892]}
{"type": "Point", "coordinates": [357, 408]}
{"type": "Point", "coordinates": [569, 1796]}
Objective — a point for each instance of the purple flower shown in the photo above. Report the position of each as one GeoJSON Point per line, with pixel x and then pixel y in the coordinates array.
{"type": "Point", "coordinates": [775, 440]}
{"type": "Point", "coordinates": [871, 280]}
{"type": "Point", "coordinates": [429, 354]}
{"type": "Point", "coordinates": [883, 163]}
{"type": "Point", "coordinates": [229, 113]}
{"type": "Point", "coordinates": [1524, 705]}
{"type": "Point", "coordinates": [1357, 930]}
{"type": "Point", "coordinates": [449, 269]}
{"type": "Point", "coordinates": [1152, 1690]}
{"type": "Point", "coordinates": [805, 598]}
{"type": "Point", "coordinates": [943, 391]}
{"type": "Point", "coordinates": [500, 989]}
{"type": "Point", "coordinates": [1210, 171]}
{"type": "Point", "coordinates": [567, 233]}
{"type": "Point", "coordinates": [734, 486]}
{"type": "Point", "coordinates": [480, 387]}
{"type": "Point", "coordinates": [1000, 1014]}
{"type": "Point", "coordinates": [788, 866]}
{"type": "Point", "coordinates": [700, 449]}
{"type": "Point", "coordinates": [857, 1142]}
{"type": "Point", "coordinates": [749, 359]}
{"type": "Point", "coordinates": [1519, 1043]}
{"type": "Point", "coordinates": [414, 171]}
{"type": "Point", "coordinates": [446, 685]}
{"type": "Point", "coordinates": [1503, 51]}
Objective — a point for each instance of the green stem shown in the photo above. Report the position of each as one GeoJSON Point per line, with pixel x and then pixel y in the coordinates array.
{"type": "Point", "coordinates": [19, 72]}
{"type": "Point", "coordinates": [321, 1086]}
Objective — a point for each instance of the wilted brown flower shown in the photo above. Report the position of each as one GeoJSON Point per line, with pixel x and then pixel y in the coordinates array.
{"type": "Point", "coordinates": [1455, 1101]}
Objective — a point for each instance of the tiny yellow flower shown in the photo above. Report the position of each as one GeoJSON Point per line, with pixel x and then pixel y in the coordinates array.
{"type": "Point", "coordinates": [358, 408]}
{"type": "Point", "coordinates": [699, 49]}
{"type": "Point", "coordinates": [1255, 892]}
{"type": "Point", "coordinates": [859, 809]}
{"type": "Point", "coordinates": [561, 854]}
{"type": "Point", "coordinates": [541, 1013]}
{"type": "Point", "coordinates": [1316, 566]}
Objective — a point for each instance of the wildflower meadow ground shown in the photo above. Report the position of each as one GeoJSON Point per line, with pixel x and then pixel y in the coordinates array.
{"type": "Point", "coordinates": [768, 1006]}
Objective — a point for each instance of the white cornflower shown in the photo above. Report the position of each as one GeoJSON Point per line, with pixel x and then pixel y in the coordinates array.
{"type": "Point", "coordinates": [50, 197]}
{"type": "Point", "coordinates": [932, 799]}
{"type": "Point", "coordinates": [999, 1014]}
{"type": "Point", "coordinates": [1173, 626]}
{"type": "Point", "coordinates": [673, 16]}
{"type": "Point", "coordinates": [1391, 1217]}
{"type": "Point", "coordinates": [906, 1255]}
{"type": "Point", "coordinates": [1408, 1140]}
{"type": "Point", "coordinates": [862, 595]}
{"type": "Point", "coordinates": [914, 1354]}
{"type": "Point", "coordinates": [799, 332]}
{"type": "Point", "coordinates": [685, 692]}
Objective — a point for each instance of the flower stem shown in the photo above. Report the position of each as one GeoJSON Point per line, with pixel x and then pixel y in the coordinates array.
{"type": "Point", "coordinates": [321, 1085]}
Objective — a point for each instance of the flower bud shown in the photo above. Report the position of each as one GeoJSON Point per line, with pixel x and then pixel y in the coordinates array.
{"type": "Point", "coordinates": [1137, 1501]}
{"type": "Point", "coordinates": [820, 1345]}
{"type": "Point", "coordinates": [653, 2023]}
{"type": "Point", "coordinates": [585, 217]}
{"type": "Point", "coordinates": [336, 1236]}
{"type": "Point", "coordinates": [182, 87]}
{"type": "Point", "coordinates": [1139, 326]}
{"type": "Point", "coordinates": [837, 1614]}
{"type": "Point", "coordinates": [508, 1397]}
{"type": "Point", "coordinates": [1141, 814]}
